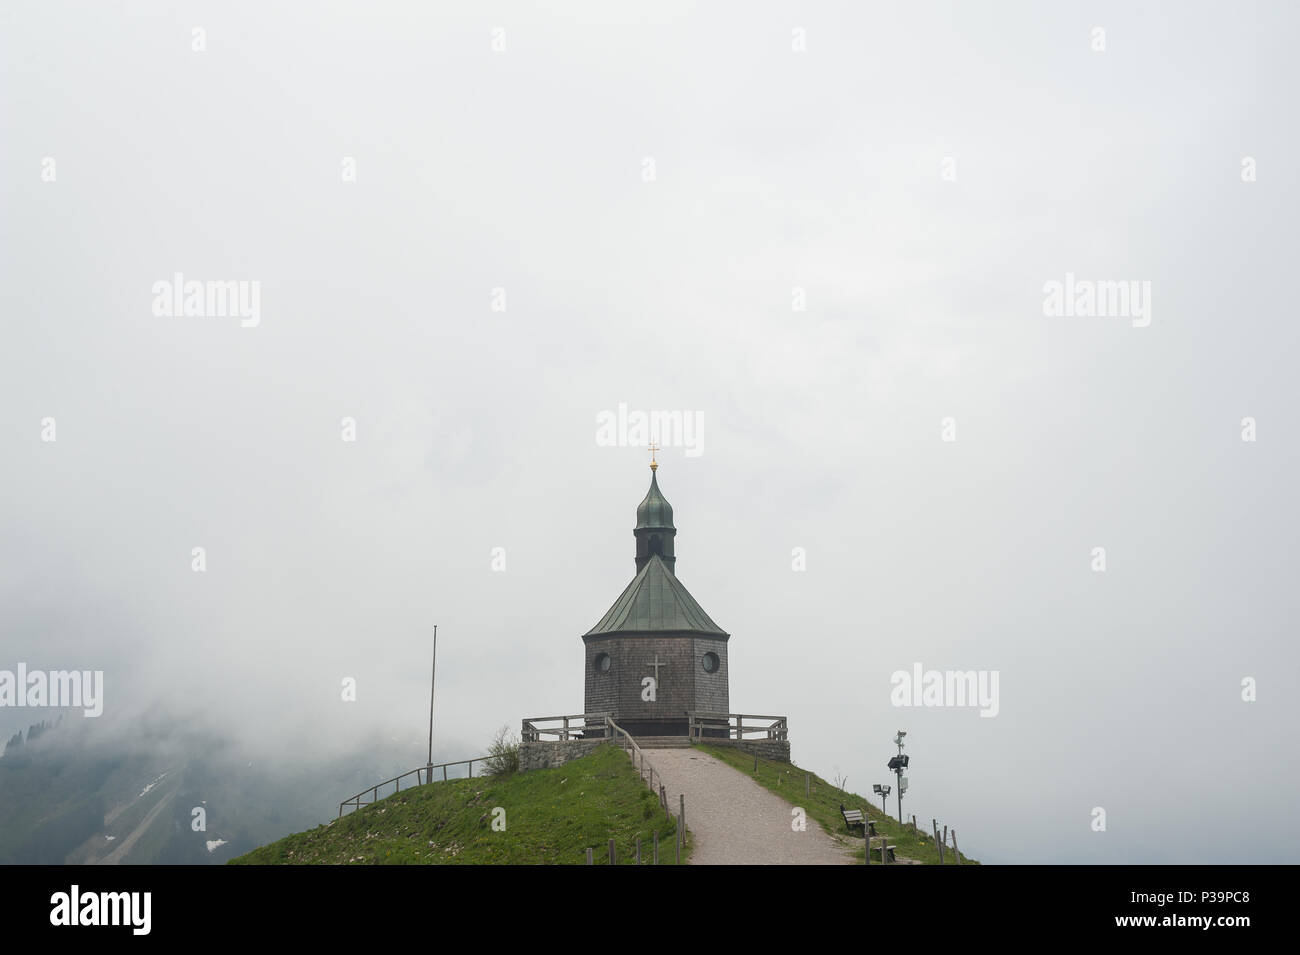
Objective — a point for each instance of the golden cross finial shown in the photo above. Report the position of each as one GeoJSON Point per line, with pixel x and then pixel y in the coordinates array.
{"type": "Point", "coordinates": [654, 465]}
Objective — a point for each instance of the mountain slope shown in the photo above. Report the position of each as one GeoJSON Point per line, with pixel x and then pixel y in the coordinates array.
{"type": "Point", "coordinates": [78, 794]}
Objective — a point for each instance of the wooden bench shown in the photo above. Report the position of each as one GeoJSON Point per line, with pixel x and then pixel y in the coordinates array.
{"type": "Point", "coordinates": [857, 819]}
{"type": "Point", "coordinates": [889, 850]}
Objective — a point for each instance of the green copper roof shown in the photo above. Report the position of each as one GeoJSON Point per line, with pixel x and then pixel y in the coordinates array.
{"type": "Point", "coordinates": [654, 511]}
{"type": "Point", "coordinates": [655, 600]}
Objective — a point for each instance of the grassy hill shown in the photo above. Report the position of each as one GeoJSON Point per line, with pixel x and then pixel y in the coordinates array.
{"type": "Point", "coordinates": [823, 805]}
{"type": "Point", "coordinates": [551, 817]}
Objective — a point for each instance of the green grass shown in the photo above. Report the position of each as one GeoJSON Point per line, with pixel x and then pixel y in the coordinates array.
{"type": "Point", "coordinates": [552, 816]}
{"type": "Point", "coordinates": [823, 805]}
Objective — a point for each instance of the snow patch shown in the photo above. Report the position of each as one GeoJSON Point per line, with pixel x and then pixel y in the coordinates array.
{"type": "Point", "coordinates": [150, 786]}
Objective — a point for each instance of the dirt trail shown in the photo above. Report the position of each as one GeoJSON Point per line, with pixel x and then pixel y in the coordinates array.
{"type": "Point", "coordinates": [734, 820]}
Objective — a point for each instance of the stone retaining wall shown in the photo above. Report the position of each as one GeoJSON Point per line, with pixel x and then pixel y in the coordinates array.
{"type": "Point", "coordinates": [543, 754]}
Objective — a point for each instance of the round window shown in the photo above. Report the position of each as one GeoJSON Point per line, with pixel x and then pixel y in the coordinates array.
{"type": "Point", "coordinates": [710, 662]}
{"type": "Point", "coordinates": [602, 662]}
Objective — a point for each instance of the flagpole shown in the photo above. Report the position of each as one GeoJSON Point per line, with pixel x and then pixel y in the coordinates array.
{"type": "Point", "coordinates": [432, 678]}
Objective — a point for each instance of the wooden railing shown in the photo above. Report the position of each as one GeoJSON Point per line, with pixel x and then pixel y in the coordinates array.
{"type": "Point", "coordinates": [429, 772]}
{"type": "Point", "coordinates": [719, 723]}
{"type": "Point", "coordinates": [643, 765]}
{"type": "Point", "coordinates": [576, 726]}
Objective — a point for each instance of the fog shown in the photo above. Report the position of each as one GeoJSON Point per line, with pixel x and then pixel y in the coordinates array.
{"type": "Point", "coordinates": [505, 267]}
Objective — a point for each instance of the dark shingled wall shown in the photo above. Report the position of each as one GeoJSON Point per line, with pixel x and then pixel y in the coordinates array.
{"type": "Point", "coordinates": [683, 683]}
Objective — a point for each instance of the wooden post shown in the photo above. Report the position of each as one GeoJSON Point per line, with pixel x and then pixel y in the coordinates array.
{"type": "Point", "coordinates": [945, 835]}
{"type": "Point", "coordinates": [755, 760]}
{"type": "Point", "coordinates": [679, 842]}
{"type": "Point", "coordinates": [444, 772]}
{"type": "Point", "coordinates": [955, 850]}
{"type": "Point", "coordinates": [807, 784]}
{"type": "Point", "coordinates": [913, 823]}
{"type": "Point", "coordinates": [656, 847]}
{"type": "Point", "coordinates": [611, 852]}
{"type": "Point", "coordinates": [589, 859]}
{"type": "Point", "coordinates": [935, 822]}
{"type": "Point", "coordinates": [638, 850]}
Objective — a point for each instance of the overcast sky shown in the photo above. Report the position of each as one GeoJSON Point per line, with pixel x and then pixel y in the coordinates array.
{"type": "Point", "coordinates": [919, 171]}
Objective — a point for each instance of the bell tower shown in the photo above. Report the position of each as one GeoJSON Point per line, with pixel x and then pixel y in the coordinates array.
{"type": "Point", "coordinates": [654, 530]}
{"type": "Point", "coordinates": [656, 655]}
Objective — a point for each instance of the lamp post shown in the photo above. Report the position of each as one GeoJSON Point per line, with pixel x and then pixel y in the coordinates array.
{"type": "Point", "coordinates": [897, 764]}
{"type": "Point", "coordinates": [883, 792]}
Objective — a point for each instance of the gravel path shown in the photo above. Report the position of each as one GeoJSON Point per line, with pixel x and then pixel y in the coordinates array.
{"type": "Point", "coordinates": [734, 820]}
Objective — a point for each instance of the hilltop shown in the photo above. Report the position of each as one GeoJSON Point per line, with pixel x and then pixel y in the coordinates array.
{"type": "Point", "coordinates": [551, 817]}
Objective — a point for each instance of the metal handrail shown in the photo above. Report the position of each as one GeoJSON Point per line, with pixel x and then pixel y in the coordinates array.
{"type": "Point", "coordinates": [356, 803]}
